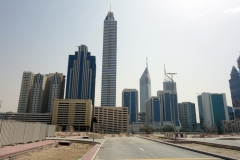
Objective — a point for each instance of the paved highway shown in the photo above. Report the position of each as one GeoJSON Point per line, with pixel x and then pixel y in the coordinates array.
{"type": "Point", "coordinates": [138, 148]}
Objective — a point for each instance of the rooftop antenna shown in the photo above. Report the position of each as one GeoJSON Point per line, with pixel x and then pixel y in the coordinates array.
{"type": "Point", "coordinates": [164, 69]}
{"type": "Point", "coordinates": [146, 62]}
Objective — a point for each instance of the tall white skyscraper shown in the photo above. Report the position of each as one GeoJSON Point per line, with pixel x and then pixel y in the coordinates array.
{"type": "Point", "coordinates": [145, 88]}
{"type": "Point", "coordinates": [109, 61]}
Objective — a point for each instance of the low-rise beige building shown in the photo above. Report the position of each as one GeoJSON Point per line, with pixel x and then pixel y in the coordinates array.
{"type": "Point", "coordinates": [111, 119]}
{"type": "Point", "coordinates": [72, 112]}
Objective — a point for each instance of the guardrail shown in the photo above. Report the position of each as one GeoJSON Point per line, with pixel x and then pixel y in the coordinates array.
{"type": "Point", "coordinates": [14, 132]}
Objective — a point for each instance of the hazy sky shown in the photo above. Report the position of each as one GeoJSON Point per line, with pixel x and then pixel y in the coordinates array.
{"type": "Point", "coordinates": [199, 40]}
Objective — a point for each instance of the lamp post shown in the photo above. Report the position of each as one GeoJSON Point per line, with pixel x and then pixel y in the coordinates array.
{"type": "Point", "coordinates": [0, 103]}
{"type": "Point", "coordinates": [174, 117]}
{"type": "Point", "coordinates": [94, 120]}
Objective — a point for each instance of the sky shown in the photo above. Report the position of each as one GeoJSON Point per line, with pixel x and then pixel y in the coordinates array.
{"type": "Point", "coordinates": [199, 40]}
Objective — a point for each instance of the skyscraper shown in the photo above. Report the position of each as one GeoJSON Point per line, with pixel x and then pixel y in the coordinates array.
{"type": "Point", "coordinates": [130, 100]}
{"type": "Point", "coordinates": [81, 75]}
{"type": "Point", "coordinates": [145, 88]}
{"type": "Point", "coordinates": [37, 101]}
{"type": "Point", "coordinates": [152, 106]}
{"type": "Point", "coordinates": [169, 101]}
{"type": "Point", "coordinates": [212, 110]}
{"type": "Point", "coordinates": [38, 92]}
{"type": "Point", "coordinates": [25, 92]}
{"type": "Point", "coordinates": [54, 90]}
{"type": "Point", "coordinates": [234, 84]}
{"type": "Point", "coordinates": [109, 61]}
{"type": "Point", "coordinates": [187, 116]}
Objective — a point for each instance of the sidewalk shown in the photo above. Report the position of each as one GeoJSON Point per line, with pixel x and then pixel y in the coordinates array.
{"type": "Point", "coordinates": [217, 140]}
{"type": "Point", "coordinates": [11, 150]}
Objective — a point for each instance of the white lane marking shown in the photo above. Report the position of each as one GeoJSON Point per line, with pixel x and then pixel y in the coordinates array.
{"type": "Point", "coordinates": [131, 142]}
{"type": "Point", "coordinates": [141, 149]}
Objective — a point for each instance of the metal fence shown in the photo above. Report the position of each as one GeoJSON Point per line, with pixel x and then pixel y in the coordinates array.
{"type": "Point", "coordinates": [14, 132]}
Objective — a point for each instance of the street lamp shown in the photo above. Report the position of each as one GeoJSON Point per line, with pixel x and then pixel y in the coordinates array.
{"type": "Point", "coordinates": [0, 103]}
{"type": "Point", "coordinates": [174, 118]}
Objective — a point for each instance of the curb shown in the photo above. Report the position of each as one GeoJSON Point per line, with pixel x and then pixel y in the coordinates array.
{"type": "Point", "coordinates": [198, 151]}
{"type": "Point", "coordinates": [89, 155]}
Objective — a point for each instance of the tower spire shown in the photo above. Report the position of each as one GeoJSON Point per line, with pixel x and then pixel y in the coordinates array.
{"type": "Point", "coordinates": [146, 62]}
{"type": "Point", "coordinates": [110, 7]}
{"type": "Point", "coordinates": [164, 69]}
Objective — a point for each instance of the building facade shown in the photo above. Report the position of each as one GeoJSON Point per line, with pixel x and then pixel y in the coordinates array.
{"type": "Point", "coordinates": [230, 113]}
{"type": "Point", "coordinates": [212, 110]}
{"type": "Point", "coordinates": [38, 92]}
{"type": "Point", "coordinates": [72, 112]}
{"type": "Point", "coordinates": [25, 92]}
{"type": "Point", "coordinates": [109, 61]}
{"type": "Point", "coordinates": [28, 117]}
{"type": "Point", "coordinates": [81, 75]}
{"type": "Point", "coordinates": [111, 120]}
{"type": "Point", "coordinates": [54, 90]}
{"type": "Point", "coordinates": [37, 101]}
{"type": "Point", "coordinates": [187, 116]}
{"type": "Point", "coordinates": [152, 110]}
{"type": "Point", "coordinates": [145, 88]}
{"type": "Point", "coordinates": [130, 100]}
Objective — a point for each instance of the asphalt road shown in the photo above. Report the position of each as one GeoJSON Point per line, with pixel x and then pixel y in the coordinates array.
{"type": "Point", "coordinates": [138, 148]}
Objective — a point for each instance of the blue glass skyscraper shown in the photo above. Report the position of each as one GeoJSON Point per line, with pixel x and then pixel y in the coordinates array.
{"type": "Point", "coordinates": [81, 75]}
{"type": "Point", "coordinates": [130, 100]}
{"type": "Point", "coordinates": [152, 109]}
{"type": "Point", "coordinates": [234, 84]}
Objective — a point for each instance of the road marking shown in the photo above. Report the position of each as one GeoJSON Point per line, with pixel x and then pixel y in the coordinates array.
{"type": "Point", "coordinates": [131, 142]}
{"type": "Point", "coordinates": [141, 149]}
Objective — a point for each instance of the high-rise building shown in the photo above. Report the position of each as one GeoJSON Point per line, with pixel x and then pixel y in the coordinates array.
{"type": "Point", "coordinates": [38, 92]}
{"type": "Point", "coordinates": [234, 84]}
{"type": "Point", "coordinates": [25, 92]}
{"type": "Point", "coordinates": [212, 110]}
{"type": "Point", "coordinates": [187, 116]}
{"type": "Point", "coordinates": [152, 110]}
{"type": "Point", "coordinates": [169, 102]}
{"type": "Point", "coordinates": [54, 90]}
{"type": "Point", "coordinates": [145, 88]}
{"type": "Point", "coordinates": [37, 101]}
{"type": "Point", "coordinates": [81, 75]}
{"type": "Point", "coordinates": [230, 113]}
{"type": "Point", "coordinates": [130, 100]}
{"type": "Point", "coordinates": [109, 61]}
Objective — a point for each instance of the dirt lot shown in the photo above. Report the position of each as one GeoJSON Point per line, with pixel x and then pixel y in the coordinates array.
{"type": "Point", "coordinates": [74, 152]}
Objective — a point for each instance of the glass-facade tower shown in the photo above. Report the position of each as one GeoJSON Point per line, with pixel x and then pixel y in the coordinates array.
{"type": "Point", "coordinates": [81, 75]}
{"type": "Point", "coordinates": [109, 61]}
{"type": "Point", "coordinates": [130, 100]}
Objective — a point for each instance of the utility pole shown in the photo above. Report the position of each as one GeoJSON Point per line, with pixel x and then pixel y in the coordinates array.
{"type": "Point", "coordinates": [174, 117]}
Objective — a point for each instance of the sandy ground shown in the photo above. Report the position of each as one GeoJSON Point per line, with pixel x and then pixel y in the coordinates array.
{"type": "Point", "coordinates": [221, 151]}
{"type": "Point", "coordinates": [73, 152]}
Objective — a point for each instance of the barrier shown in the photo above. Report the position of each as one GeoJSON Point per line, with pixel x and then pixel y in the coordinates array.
{"type": "Point", "coordinates": [36, 131]}
{"type": "Point", "coordinates": [178, 135]}
{"type": "Point", "coordinates": [14, 132]}
{"type": "Point", "coordinates": [28, 133]}
{"type": "Point", "coordinates": [18, 132]}
{"type": "Point", "coordinates": [0, 132]}
{"type": "Point", "coordinates": [42, 133]}
{"type": "Point", "coordinates": [51, 130]}
{"type": "Point", "coordinates": [7, 132]}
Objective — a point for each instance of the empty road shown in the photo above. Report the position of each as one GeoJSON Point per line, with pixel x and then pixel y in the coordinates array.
{"type": "Point", "coordinates": [138, 148]}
